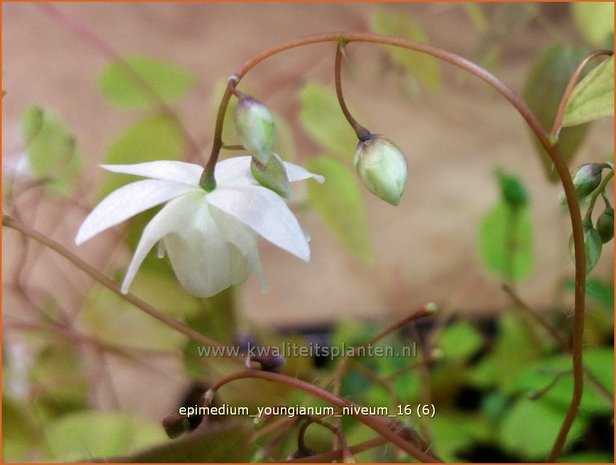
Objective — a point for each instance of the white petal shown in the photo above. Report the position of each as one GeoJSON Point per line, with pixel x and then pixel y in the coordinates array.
{"type": "Point", "coordinates": [266, 213]}
{"type": "Point", "coordinates": [240, 267]}
{"type": "Point", "coordinates": [204, 262]}
{"type": "Point", "coordinates": [128, 201]}
{"type": "Point", "coordinates": [167, 170]}
{"type": "Point", "coordinates": [172, 217]}
{"type": "Point", "coordinates": [234, 171]}
{"type": "Point", "coordinates": [160, 250]}
{"type": "Point", "coordinates": [242, 237]}
{"type": "Point", "coordinates": [297, 173]}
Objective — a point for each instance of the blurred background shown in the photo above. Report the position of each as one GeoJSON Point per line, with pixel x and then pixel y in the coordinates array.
{"type": "Point", "coordinates": [370, 262]}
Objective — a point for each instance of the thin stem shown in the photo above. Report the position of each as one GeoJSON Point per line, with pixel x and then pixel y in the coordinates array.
{"type": "Point", "coordinates": [338, 453]}
{"type": "Point", "coordinates": [558, 119]}
{"type": "Point", "coordinates": [110, 53]}
{"type": "Point", "coordinates": [342, 367]}
{"type": "Point", "coordinates": [301, 437]}
{"type": "Point", "coordinates": [425, 311]}
{"type": "Point", "coordinates": [372, 422]}
{"type": "Point", "coordinates": [538, 318]}
{"type": "Point", "coordinates": [109, 283]}
{"type": "Point", "coordinates": [362, 133]}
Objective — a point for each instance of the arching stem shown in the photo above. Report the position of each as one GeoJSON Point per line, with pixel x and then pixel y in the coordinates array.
{"type": "Point", "coordinates": [362, 133]}
{"type": "Point", "coordinates": [533, 123]}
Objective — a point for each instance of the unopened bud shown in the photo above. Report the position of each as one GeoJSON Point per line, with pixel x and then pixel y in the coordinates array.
{"type": "Point", "coordinates": [273, 363]}
{"type": "Point", "coordinates": [382, 168]}
{"type": "Point", "coordinates": [605, 225]}
{"type": "Point", "coordinates": [272, 175]}
{"type": "Point", "coordinates": [587, 179]}
{"type": "Point", "coordinates": [255, 126]}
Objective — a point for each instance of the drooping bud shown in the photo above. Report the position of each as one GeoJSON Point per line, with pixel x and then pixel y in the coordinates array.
{"type": "Point", "coordinates": [605, 225]}
{"type": "Point", "coordinates": [592, 246]}
{"type": "Point", "coordinates": [255, 126]}
{"type": "Point", "coordinates": [587, 179]}
{"type": "Point", "coordinates": [272, 175]}
{"type": "Point", "coordinates": [382, 168]}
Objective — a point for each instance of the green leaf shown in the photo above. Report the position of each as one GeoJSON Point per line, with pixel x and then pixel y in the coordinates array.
{"type": "Point", "coordinates": [50, 149]}
{"type": "Point", "coordinates": [593, 97]}
{"type": "Point", "coordinates": [339, 203]}
{"type": "Point", "coordinates": [543, 90]}
{"type": "Point", "coordinates": [514, 349]}
{"type": "Point", "coordinates": [538, 375]}
{"type": "Point", "coordinates": [226, 441]}
{"type": "Point", "coordinates": [595, 20]}
{"type": "Point", "coordinates": [100, 435]}
{"type": "Point", "coordinates": [513, 192]}
{"type": "Point", "coordinates": [154, 138]}
{"type": "Point", "coordinates": [476, 15]}
{"type": "Point", "coordinates": [505, 241]}
{"type": "Point", "coordinates": [459, 341]}
{"type": "Point", "coordinates": [323, 120]}
{"type": "Point", "coordinates": [455, 432]}
{"type": "Point", "coordinates": [285, 142]}
{"type": "Point", "coordinates": [530, 427]}
{"type": "Point", "coordinates": [588, 457]}
{"type": "Point", "coordinates": [141, 82]}
{"type": "Point", "coordinates": [395, 24]}
{"type": "Point", "coordinates": [21, 435]}
{"type": "Point", "coordinates": [58, 375]}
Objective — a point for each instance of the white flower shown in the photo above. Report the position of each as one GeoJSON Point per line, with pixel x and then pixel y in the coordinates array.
{"type": "Point", "coordinates": [211, 237]}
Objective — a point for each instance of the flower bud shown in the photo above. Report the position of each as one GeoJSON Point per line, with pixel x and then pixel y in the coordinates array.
{"type": "Point", "coordinates": [272, 175]}
{"type": "Point", "coordinates": [605, 225]}
{"type": "Point", "coordinates": [587, 179]}
{"type": "Point", "coordinates": [255, 126]}
{"type": "Point", "coordinates": [382, 168]}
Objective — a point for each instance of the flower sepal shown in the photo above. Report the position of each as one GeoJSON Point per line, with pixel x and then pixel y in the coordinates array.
{"type": "Point", "coordinates": [272, 175]}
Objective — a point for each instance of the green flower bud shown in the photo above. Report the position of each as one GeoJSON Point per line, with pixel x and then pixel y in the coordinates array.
{"type": "Point", "coordinates": [605, 225]}
{"type": "Point", "coordinates": [587, 179]}
{"type": "Point", "coordinates": [255, 126]}
{"type": "Point", "coordinates": [592, 246]}
{"type": "Point", "coordinates": [382, 168]}
{"type": "Point", "coordinates": [272, 175]}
